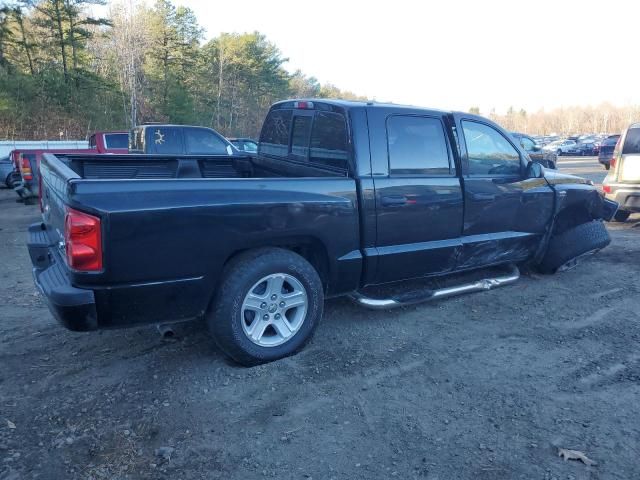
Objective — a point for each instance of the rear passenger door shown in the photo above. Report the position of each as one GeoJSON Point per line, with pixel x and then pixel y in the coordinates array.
{"type": "Point", "coordinates": [505, 213]}
{"type": "Point", "coordinates": [419, 204]}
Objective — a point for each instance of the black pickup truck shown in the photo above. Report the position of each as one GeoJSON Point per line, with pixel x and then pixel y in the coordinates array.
{"type": "Point", "coordinates": [341, 196]}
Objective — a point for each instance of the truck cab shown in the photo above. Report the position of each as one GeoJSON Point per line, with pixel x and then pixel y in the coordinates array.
{"type": "Point", "coordinates": [109, 142]}
{"type": "Point", "coordinates": [165, 139]}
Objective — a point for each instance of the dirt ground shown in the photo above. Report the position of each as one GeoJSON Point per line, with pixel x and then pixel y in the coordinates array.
{"type": "Point", "coordinates": [485, 386]}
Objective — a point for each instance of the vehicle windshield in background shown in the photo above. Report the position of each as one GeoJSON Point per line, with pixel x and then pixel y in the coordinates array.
{"type": "Point", "coordinates": [117, 140]}
{"type": "Point", "coordinates": [632, 142]}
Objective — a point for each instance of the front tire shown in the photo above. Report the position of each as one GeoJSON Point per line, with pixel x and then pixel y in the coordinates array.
{"type": "Point", "coordinates": [566, 249]}
{"type": "Point", "coordinates": [267, 306]}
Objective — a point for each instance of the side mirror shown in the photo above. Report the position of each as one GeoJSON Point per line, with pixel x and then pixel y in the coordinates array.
{"type": "Point", "coordinates": [535, 170]}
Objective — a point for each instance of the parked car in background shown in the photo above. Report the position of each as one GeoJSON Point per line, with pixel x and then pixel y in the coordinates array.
{"type": "Point", "coordinates": [341, 195]}
{"type": "Point", "coordinates": [110, 142]}
{"type": "Point", "coordinates": [622, 183]}
{"type": "Point", "coordinates": [606, 150]}
{"type": "Point", "coordinates": [583, 148]}
{"type": "Point", "coordinates": [245, 144]}
{"type": "Point", "coordinates": [179, 140]}
{"type": "Point", "coordinates": [8, 173]}
{"type": "Point", "coordinates": [560, 147]}
{"type": "Point", "coordinates": [535, 151]}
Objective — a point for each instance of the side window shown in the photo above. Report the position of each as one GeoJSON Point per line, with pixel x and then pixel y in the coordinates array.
{"type": "Point", "coordinates": [200, 141]}
{"type": "Point", "coordinates": [329, 140]}
{"type": "Point", "coordinates": [274, 139]}
{"type": "Point", "coordinates": [632, 141]}
{"type": "Point", "coordinates": [489, 151]}
{"type": "Point", "coordinates": [116, 140]}
{"type": "Point", "coordinates": [300, 135]}
{"type": "Point", "coordinates": [165, 140]}
{"type": "Point", "coordinates": [417, 146]}
{"type": "Point", "coordinates": [527, 144]}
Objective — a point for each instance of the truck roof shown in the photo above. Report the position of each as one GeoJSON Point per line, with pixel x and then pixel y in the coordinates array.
{"type": "Point", "coordinates": [358, 103]}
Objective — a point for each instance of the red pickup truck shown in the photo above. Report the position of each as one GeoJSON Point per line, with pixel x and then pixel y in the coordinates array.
{"type": "Point", "coordinates": [110, 142]}
{"type": "Point", "coordinates": [27, 161]}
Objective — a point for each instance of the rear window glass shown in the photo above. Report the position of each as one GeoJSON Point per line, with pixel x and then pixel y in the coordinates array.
{"type": "Point", "coordinates": [329, 140]}
{"type": "Point", "coordinates": [274, 139]}
{"type": "Point", "coordinates": [300, 135]}
{"type": "Point", "coordinates": [116, 140]}
{"type": "Point", "coordinates": [166, 140]}
{"type": "Point", "coordinates": [632, 141]}
{"type": "Point", "coordinates": [201, 141]}
{"type": "Point", "coordinates": [610, 142]}
{"type": "Point", "coordinates": [417, 146]}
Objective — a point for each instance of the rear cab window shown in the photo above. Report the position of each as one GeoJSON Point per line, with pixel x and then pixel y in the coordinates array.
{"type": "Point", "coordinates": [315, 137]}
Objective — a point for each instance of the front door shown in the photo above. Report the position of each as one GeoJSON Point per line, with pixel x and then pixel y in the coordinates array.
{"type": "Point", "coordinates": [505, 213]}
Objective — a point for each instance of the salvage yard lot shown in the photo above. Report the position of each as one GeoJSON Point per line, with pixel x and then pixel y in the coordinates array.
{"type": "Point", "coordinates": [483, 386]}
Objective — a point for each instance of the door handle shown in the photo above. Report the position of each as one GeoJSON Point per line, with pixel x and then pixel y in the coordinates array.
{"type": "Point", "coordinates": [483, 196]}
{"type": "Point", "coordinates": [393, 200]}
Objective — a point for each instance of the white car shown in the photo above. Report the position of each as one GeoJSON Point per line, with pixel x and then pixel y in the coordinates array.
{"type": "Point", "coordinates": [560, 147]}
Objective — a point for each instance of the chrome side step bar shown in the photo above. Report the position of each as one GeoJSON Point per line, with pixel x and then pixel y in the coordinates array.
{"type": "Point", "coordinates": [477, 286]}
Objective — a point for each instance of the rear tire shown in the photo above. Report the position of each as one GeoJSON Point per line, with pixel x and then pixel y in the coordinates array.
{"type": "Point", "coordinates": [621, 216]}
{"type": "Point", "coordinates": [607, 166]}
{"type": "Point", "coordinates": [566, 249]}
{"type": "Point", "coordinates": [260, 286]}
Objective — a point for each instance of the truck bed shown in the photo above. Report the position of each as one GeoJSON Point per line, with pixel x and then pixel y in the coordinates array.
{"type": "Point", "coordinates": [169, 225]}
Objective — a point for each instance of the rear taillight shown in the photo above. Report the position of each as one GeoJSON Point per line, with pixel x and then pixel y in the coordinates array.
{"type": "Point", "coordinates": [606, 188]}
{"type": "Point", "coordinates": [612, 163]}
{"type": "Point", "coordinates": [83, 241]}
{"type": "Point", "coordinates": [25, 168]}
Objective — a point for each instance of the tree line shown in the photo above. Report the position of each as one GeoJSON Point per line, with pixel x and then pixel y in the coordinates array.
{"type": "Point", "coordinates": [65, 73]}
{"type": "Point", "coordinates": [603, 118]}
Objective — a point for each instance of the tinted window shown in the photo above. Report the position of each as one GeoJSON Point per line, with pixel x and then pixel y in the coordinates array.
{"type": "Point", "coordinates": [201, 141]}
{"type": "Point", "coordinates": [417, 146]}
{"type": "Point", "coordinates": [329, 140]}
{"type": "Point", "coordinates": [610, 141]}
{"type": "Point", "coordinates": [274, 139]}
{"type": "Point", "coordinates": [165, 140]}
{"type": "Point", "coordinates": [632, 141]}
{"type": "Point", "coordinates": [116, 140]}
{"type": "Point", "coordinates": [527, 144]}
{"type": "Point", "coordinates": [300, 135]}
{"type": "Point", "coordinates": [489, 152]}
{"type": "Point", "coordinates": [250, 146]}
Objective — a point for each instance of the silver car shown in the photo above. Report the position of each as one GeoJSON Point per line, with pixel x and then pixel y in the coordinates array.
{"type": "Point", "coordinates": [622, 184]}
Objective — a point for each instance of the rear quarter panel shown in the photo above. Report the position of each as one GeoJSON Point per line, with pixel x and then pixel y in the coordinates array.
{"type": "Point", "coordinates": [185, 230]}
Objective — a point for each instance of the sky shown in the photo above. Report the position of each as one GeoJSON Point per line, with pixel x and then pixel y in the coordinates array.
{"type": "Point", "coordinates": [452, 54]}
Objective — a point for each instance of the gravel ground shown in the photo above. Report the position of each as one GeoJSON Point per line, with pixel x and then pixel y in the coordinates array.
{"type": "Point", "coordinates": [485, 386]}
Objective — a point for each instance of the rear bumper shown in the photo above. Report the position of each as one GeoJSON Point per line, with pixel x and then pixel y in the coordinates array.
{"type": "Point", "coordinates": [75, 308]}
{"type": "Point", "coordinates": [627, 195]}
